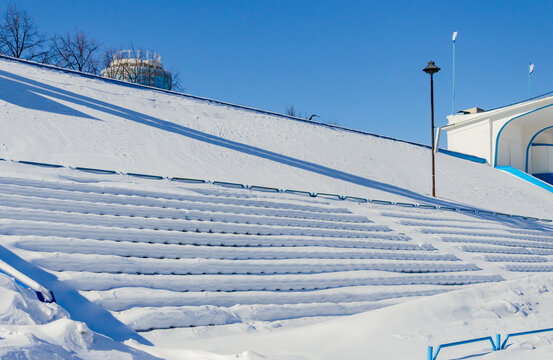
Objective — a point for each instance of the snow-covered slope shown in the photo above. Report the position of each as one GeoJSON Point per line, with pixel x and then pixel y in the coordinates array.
{"type": "Point", "coordinates": [53, 116]}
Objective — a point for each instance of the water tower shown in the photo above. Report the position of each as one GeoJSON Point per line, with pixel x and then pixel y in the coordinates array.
{"type": "Point", "coordinates": [139, 67]}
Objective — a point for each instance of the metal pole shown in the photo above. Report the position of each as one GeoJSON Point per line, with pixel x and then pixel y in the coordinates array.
{"type": "Point", "coordinates": [432, 130]}
{"type": "Point", "coordinates": [529, 85]}
{"type": "Point", "coordinates": [453, 96]}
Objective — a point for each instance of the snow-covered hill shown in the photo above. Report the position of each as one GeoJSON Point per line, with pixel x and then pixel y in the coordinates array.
{"type": "Point", "coordinates": [143, 259]}
{"type": "Point", "coordinates": [57, 117]}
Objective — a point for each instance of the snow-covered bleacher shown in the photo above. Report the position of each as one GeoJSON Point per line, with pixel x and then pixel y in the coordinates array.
{"type": "Point", "coordinates": [199, 254]}
{"type": "Point", "coordinates": [519, 245]}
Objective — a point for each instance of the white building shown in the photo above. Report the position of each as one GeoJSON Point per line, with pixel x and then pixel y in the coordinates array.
{"type": "Point", "coordinates": [519, 135]}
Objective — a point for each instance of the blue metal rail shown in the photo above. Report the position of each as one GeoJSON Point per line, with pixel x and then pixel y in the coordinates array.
{"type": "Point", "coordinates": [496, 345]}
{"type": "Point", "coordinates": [297, 192]}
{"type": "Point", "coordinates": [527, 177]}
{"type": "Point", "coordinates": [523, 333]}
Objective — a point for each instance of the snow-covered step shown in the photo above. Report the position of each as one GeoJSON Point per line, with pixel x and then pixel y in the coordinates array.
{"type": "Point", "coordinates": [237, 192]}
{"type": "Point", "coordinates": [506, 250]}
{"type": "Point", "coordinates": [530, 267]}
{"type": "Point", "coordinates": [373, 240]}
{"type": "Point", "coordinates": [155, 205]}
{"type": "Point", "coordinates": [483, 232]}
{"type": "Point", "coordinates": [27, 202]}
{"type": "Point", "coordinates": [418, 217]}
{"type": "Point", "coordinates": [293, 282]}
{"type": "Point", "coordinates": [490, 227]}
{"type": "Point", "coordinates": [173, 251]}
{"type": "Point", "coordinates": [451, 225]}
{"type": "Point", "coordinates": [95, 189]}
{"type": "Point", "coordinates": [435, 216]}
{"type": "Point", "coordinates": [125, 298]}
{"type": "Point", "coordinates": [148, 266]}
{"type": "Point", "coordinates": [510, 258]}
{"type": "Point", "coordinates": [515, 242]}
{"type": "Point", "coordinates": [145, 319]}
{"type": "Point", "coordinates": [176, 225]}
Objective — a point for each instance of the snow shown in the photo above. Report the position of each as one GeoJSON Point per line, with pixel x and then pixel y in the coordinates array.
{"type": "Point", "coordinates": [200, 271]}
{"type": "Point", "coordinates": [98, 124]}
{"type": "Point", "coordinates": [30, 329]}
{"type": "Point", "coordinates": [401, 331]}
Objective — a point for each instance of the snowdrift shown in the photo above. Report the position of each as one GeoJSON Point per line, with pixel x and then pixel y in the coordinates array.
{"type": "Point", "coordinates": [30, 329]}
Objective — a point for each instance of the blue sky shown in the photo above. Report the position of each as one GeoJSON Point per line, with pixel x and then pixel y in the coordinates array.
{"type": "Point", "coordinates": [358, 63]}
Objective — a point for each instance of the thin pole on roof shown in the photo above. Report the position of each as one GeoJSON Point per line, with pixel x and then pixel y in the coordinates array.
{"type": "Point", "coordinates": [530, 72]}
{"type": "Point", "coordinates": [453, 38]}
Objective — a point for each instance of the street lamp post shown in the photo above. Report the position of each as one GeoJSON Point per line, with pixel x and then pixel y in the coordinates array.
{"type": "Point", "coordinates": [431, 69]}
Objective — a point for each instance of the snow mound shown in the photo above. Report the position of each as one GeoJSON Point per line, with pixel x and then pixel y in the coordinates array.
{"type": "Point", "coordinates": [18, 306]}
{"type": "Point", "coordinates": [404, 331]}
{"type": "Point", "coordinates": [30, 329]}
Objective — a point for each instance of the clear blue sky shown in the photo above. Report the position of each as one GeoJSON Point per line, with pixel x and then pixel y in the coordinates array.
{"type": "Point", "coordinates": [355, 62]}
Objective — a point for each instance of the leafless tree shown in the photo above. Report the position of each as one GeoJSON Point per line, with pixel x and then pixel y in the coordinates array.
{"type": "Point", "coordinates": [76, 51]}
{"type": "Point", "coordinates": [19, 36]}
{"type": "Point", "coordinates": [292, 111]}
{"type": "Point", "coordinates": [125, 65]}
{"type": "Point", "coordinates": [108, 56]}
{"type": "Point", "coordinates": [176, 84]}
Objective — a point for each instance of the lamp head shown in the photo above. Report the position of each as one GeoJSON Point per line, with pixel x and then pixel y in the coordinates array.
{"type": "Point", "coordinates": [431, 68]}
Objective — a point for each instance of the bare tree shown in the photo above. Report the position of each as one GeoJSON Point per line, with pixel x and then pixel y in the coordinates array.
{"type": "Point", "coordinates": [108, 56]}
{"type": "Point", "coordinates": [76, 51]}
{"type": "Point", "coordinates": [126, 65]}
{"type": "Point", "coordinates": [19, 36]}
{"type": "Point", "coordinates": [290, 110]}
{"type": "Point", "coordinates": [176, 84]}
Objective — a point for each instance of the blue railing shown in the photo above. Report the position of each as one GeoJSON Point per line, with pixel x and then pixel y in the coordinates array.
{"type": "Point", "coordinates": [527, 177]}
{"type": "Point", "coordinates": [431, 355]}
{"type": "Point", "coordinates": [42, 293]}
{"type": "Point", "coordinates": [273, 189]}
{"type": "Point", "coordinates": [496, 345]}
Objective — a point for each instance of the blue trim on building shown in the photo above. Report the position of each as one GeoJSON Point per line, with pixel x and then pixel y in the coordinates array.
{"type": "Point", "coordinates": [459, 155]}
{"type": "Point", "coordinates": [503, 127]}
{"type": "Point", "coordinates": [530, 144]}
{"type": "Point", "coordinates": [540, 144]}
{"type": "Point", "coordinates": [527, 177]}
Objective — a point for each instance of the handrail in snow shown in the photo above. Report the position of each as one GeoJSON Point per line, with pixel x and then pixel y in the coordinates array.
{"type": "Point", "coordinates": [43, 294]}
{"type": "Point", "coordinates": [496, 345]}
